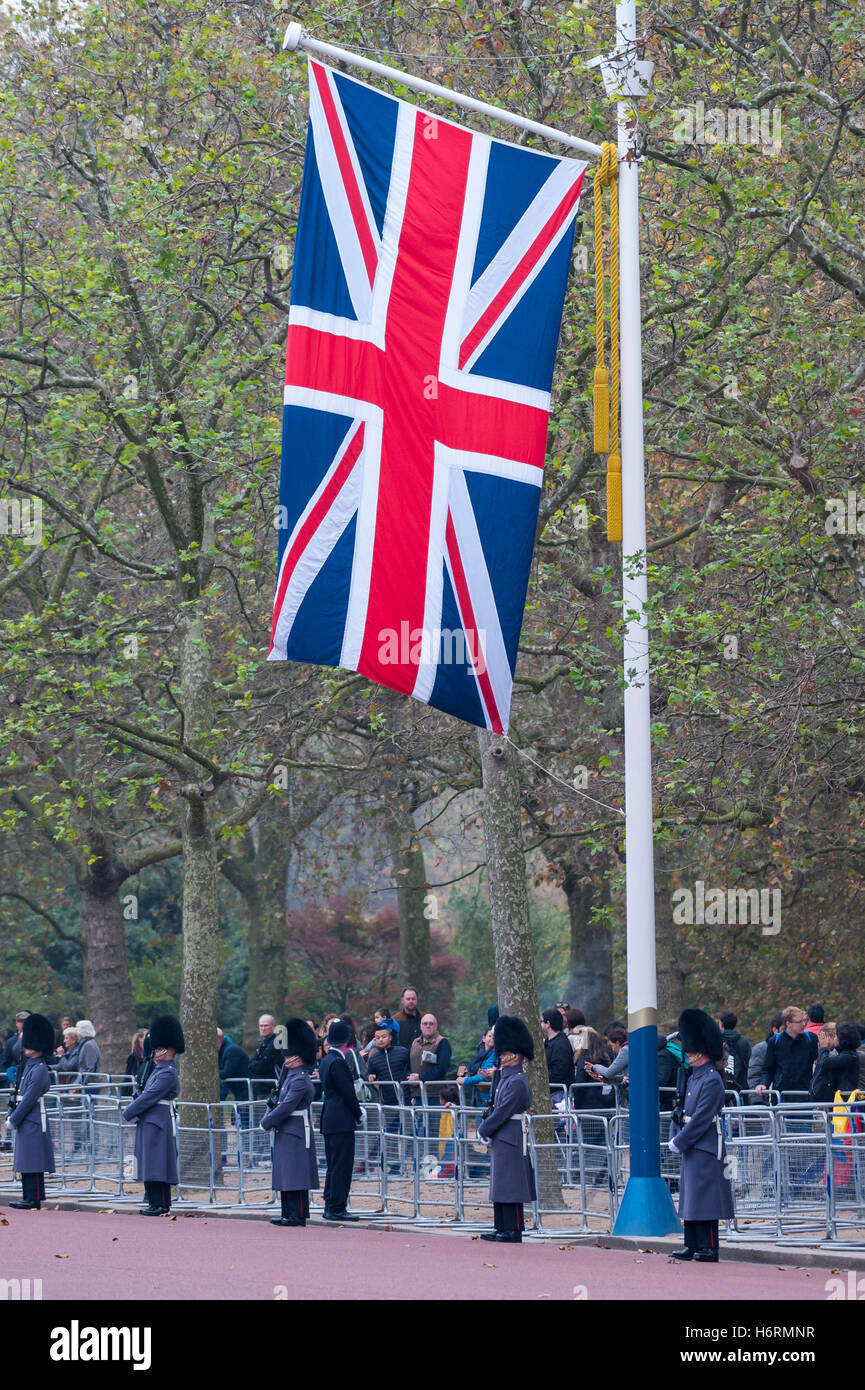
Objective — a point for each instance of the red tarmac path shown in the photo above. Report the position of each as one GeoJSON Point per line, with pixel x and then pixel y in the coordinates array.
{"type": "Point", "coordinates": [200, 1257]}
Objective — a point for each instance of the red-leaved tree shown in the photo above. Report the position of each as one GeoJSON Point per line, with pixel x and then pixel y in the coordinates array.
{"type": "Point", "coordinates": [341, 961]}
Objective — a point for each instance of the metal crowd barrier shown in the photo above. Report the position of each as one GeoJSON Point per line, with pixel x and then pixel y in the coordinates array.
{"type": "Point", "coordinates": [794, 1180]}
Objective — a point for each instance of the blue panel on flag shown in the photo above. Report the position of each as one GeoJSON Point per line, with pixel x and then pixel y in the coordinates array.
{"type": "Point", "coordinates": [317, 632]}
{"type": "Point", "coordinates": [317, 277]}
{"type": "Point", "coordinates": [514, 177]}
{"type": "Point", "coordinates": [524, 349]}
{"type": "Point", "coordinates": [371, 118]}
{"type": "Point", "coordinates": [455, 689]}
{"type": "Point", "coordinates": [310, 440]}
{"type": "Point", "coordinates": [507, 565]}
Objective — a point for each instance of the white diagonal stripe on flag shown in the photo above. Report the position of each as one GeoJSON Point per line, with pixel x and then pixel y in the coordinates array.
{"type": "Point", "coordinates": [532, 227]}
{"type": "Point", "coordinates": [345, 194]}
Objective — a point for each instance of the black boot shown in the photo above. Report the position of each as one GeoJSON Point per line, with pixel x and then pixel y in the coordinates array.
{"type": "Point", "coordinates": [292, 1210]}
{"type": "Point", "coordinates": [32, 1192]}
{"type": "Point", "coordinates": [690, 1250]}
{"type": "Point", "coordinates": [707, 1243]}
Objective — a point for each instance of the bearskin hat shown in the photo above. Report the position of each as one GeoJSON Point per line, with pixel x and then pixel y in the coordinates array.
{"type": "Point", "coordinates": [511, 1035]}
{"type": "Point", "coordinates": [700, 1033]}
{"type": "Point", "coordinates": [38, 1033]}
{"type": "Point", "coordinates": [300, 1041]}
{"type": "Point", "coordinates": [165, 1031]}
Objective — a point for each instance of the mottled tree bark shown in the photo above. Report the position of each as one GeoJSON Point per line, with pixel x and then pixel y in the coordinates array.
{"type": "Point", "coordinates": [199, 1069]}
{"type": "Point", "coordinates": [669, 949]}
{"type": "Point", "coordinates": [410, 881]}
{"type": "Point", "coordinates": [590, 969]}
{"type": "Point", "coordinates": [257, 872]}
{"type": "Point", "coordinates": [512, 937]}
{"type": "Point", "coordinates": [107, 986]}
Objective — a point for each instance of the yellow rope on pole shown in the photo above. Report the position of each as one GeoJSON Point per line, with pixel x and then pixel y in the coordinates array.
{"type": "Point", "coordinates": [606, 384]}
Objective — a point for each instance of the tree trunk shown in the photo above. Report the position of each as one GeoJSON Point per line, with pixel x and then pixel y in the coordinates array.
{"type": "Point", "coordinates": [410, 880]}
{"type": "Point", "coordinates": [259, 877]}
{"type": "Point", "coordinates": [107, 986]}
{"type": "Point", "coordinates": [670, 952]}
{"type": "Point", "coordinates": [590, 971]}
{"type": "Point", "coordinates": [201, 942]}
{"type": "Point", "coordinates": [512, 937]}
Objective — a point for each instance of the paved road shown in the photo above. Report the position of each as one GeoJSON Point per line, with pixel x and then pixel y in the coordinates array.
{"type": "Point", "coordinates": [109, 1256]}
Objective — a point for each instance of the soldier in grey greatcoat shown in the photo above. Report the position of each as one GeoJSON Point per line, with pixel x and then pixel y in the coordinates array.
{"type": "Point", "coordinates": [705, 1194]}
{"type": "Point", "coordinates": [153, 1112]}
{"type": "Point", "coordinates": [34, 1152]}
{"type": "Point", "coordinates": [512, 1181]}
{"type": "Point", "coordinates": [295, 1166]}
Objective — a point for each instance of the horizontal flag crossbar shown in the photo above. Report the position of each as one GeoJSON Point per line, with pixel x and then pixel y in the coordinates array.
{"type": "Point", "coordinates": [295, 37]}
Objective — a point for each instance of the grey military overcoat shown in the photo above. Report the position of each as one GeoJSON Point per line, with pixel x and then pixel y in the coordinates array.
{"type": "Point", "coordinates": [34, 1151]}
{"type": "Point", "coordinates": [511, 1175]}
{"type": "Point", "coordinates": [155, 1139]}
{"type": "Point", "coordinates": [705, 1193]}
{"type": "Point", "coordinates": [295, 1166]}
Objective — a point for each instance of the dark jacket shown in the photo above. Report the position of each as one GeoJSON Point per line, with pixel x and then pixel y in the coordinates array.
{"type": "Point", "coordinates": [295, 1166]}
{"type": "Point", "coordinates": [835, 1071]}
{"type": "Point", "coordinates": [705, 1193]}
{"type": "Point", "coordinates": [233, 1066]}
{"type": "Point", "coordinates": [34, 1152]}
{"type": "Point", "coordinates": [386, 1065]}
{"type": "Point", "coordinates": [266, 1066]}
{"type": "Point", "coordinates": [430, 1071]}
{"type": "Point", "coordinates": [89, 1059]}
{"type": "Point", "coordinates": [155, 1138]}
{"type": "Point", "coordinates": [341, 1110]}
{"type": "Point", "coordinates": [511, 1176]}
{"type": "Point", "coordinates": [591, 1095]}
{"type": "Point", "coordinates": [12, 1053]}
{"type": "Point", "coordinates": [789, 1061]}
{"type": "Point", "coordinates": [560, 1059]}
{"type": "Point", "coordinates": [739, 1050]}
{"type": "Point", "coordinates": [409, 1028]}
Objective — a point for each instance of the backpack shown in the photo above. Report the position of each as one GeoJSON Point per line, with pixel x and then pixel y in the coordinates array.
{"type": "Point", "coordinates": [822, 1088]}
{"type": "Point", "coordinates": [361, 1089]}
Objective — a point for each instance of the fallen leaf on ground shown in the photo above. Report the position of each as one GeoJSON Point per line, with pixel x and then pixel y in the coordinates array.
{"type": "Point", "coordinates": [115, 1237]}
{"type": "Point", "coordinates": [488, 1266]}
{"type": "Point", "coordinates": [562, 1247]}
{"type": "Point", "coordinates": [543, 1295]}
{"type": "Point", "coordinates": [61, 1257]}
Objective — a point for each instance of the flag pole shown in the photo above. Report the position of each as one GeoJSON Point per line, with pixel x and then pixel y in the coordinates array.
{"type": "Point", "coordinates": [646, 1208]}
{"type": "Point", "coordinates": [296, 37]}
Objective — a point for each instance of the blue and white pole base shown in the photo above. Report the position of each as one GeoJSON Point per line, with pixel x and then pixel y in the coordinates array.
{"type": "Point", "coordinates": [646, 1208]}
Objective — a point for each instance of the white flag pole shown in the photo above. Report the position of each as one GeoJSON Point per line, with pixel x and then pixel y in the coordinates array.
{"type": "Point", "coordinates": [646, 1208]}
{"type": "Point", "coordinates": [295, 37]}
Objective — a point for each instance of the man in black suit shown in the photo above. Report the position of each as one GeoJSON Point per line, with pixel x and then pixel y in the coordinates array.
{"type": "Point", "coordinates": [340, 1115]}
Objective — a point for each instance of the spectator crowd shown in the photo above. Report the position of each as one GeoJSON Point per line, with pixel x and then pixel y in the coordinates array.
{"type": "Point", "coordinates": [802, 1056]}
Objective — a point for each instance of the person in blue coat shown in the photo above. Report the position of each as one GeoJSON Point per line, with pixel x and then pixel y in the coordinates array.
{"type": "Point", "coordinates": [512, 1182]}
{"type": "Point", "coordinates": [34, 1152]}
{"type": "Point", "coordinates": [295, 1166]}
{"type": "Point", "coordinates": [154, 1115]}
{"type": "Point", "coordinates": [705, 1194]}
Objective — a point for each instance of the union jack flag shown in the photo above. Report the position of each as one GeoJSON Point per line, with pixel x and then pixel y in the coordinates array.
{"type": "Point", "coordinates": [429, 276]}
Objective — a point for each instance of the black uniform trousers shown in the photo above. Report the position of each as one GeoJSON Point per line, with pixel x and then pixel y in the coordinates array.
{"type": "Point", "coordinates": [509, 1217]}
{"type": "Point", "coordinates": [701, 1235]}
{"type": "Point", "coordinates": [33, 1187]}
{"type": "Point", "coordinates": [295, 1204]}
{"type": "Point", "coordinates": [339, 1152]}
{"type": "Point", "coordinates": [158, 1194]}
